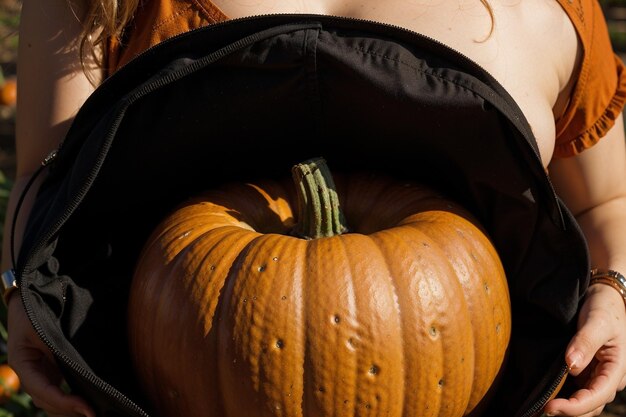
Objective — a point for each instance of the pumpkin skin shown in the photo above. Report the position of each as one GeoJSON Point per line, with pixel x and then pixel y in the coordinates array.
{"type": "Point", "coordinates": [8, 91]}
{"type": "Point", "coordinates": [9, 383]}
{"type": "Point", "coordinates": [230, 315]}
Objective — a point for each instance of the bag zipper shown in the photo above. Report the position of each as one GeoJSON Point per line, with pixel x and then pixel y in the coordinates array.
{"type": "Point", "coordinates": [106, 388]}
{"type": "Point", "coordinates": [78, 369]}
{"type": "Point", "coordinates": [551, 391]}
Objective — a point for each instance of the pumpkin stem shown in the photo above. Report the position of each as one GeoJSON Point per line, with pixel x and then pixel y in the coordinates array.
{"type": "Point", "coordinates": [319, 214]}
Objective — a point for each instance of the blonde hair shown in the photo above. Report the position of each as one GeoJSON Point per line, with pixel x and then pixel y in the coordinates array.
{"type": "Point", "coordinates": [491, 17]}
{"type": "Point", "coordinates": [103, 20]}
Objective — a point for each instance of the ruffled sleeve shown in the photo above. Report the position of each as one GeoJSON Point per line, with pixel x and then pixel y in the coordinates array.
{"type": "Point", "coordinates": [600, 92]}
{"type": "Point", "coordinates": [156, 21]}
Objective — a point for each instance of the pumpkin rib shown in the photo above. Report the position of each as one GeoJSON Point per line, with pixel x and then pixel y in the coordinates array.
{"type": "Point", "coordinates": [385, 240]}
{"type": "Point", "coordinates": [404, 199]}
{"type": "Point", "coordinates": [244, 353]}
{"type": "Point", "coordinates": [266, 315]}
{"type": "Point", "coordinates": [162, 302]}
{"type": "Point", "coordinates": [167, 402]}
{"type": "Point", "coordinates": [490, 354]}
{"type": "Point", "coordinates": [225, 215]}
{"type": "Point", "coordinates": [381, 203]}
{"type": "Point", "coordinates": [262, 205]}
{"type": "Point", "coordinates": [299, 248]}
{"type": "Point", "coordinates": [380, 360]}
{"type": "Point", "coordinates": [200, 236]}
{"type": "Point", "coordinates": [412, 247]}
{"type": "Point", "coordinates": [377, 244]}
{"type": "Point", "coordinates": [361, 364]}
{"type": "Point", "coordinates": [353, 305]}
{"type": "Point", "coordinates": [209, 299]}
{"type": "Point", "coordinates": [312, 308]}
{"type": "Point", "coordinates": [353, 301]}
{"type": "Point", "coordinates": [306, 362]}
{"type": "Point", "coordinates": [177, 224]}
{"type": "Point", "coordinates": [189, 332]}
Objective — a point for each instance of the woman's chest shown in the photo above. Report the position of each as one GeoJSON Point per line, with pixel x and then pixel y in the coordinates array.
{"type": "Point", "coordinates": [529, 47]}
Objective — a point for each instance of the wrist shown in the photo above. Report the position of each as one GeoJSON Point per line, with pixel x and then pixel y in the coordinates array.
{"type": "Point", "coordinates": [609, 278]}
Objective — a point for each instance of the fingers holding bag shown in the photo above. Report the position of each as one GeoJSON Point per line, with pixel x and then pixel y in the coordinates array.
{"type": "Point", "coordinates": [596, 355]}
{"type": "Point", "coordinates": [35, 365]}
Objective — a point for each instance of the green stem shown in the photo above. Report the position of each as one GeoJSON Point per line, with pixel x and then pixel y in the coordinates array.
{"type": "Point", "coordinates": [319, 214]}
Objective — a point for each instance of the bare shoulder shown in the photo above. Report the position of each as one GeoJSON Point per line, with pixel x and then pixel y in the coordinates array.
{"type": "Point", "coordinates": [52, 84]}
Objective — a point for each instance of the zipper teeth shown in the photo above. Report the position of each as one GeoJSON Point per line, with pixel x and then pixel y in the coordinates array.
{"type": "Point", "coordinates": [86, 375]}
{"type": "Point", "coordinates": [541, 402]}
{"type": "Point", "coordinates": [79, 369]}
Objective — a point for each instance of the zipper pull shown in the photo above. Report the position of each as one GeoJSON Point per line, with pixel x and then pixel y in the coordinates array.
{"type": "Point", "coordinates": [49, 158]}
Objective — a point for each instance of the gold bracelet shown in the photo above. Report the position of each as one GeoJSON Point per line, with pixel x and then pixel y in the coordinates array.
{"type": "Point", "coordinates": [610, 278]}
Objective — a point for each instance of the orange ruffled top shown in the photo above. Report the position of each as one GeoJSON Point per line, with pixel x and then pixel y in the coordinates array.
{"type": "Point", "coordinates": [597, 100]}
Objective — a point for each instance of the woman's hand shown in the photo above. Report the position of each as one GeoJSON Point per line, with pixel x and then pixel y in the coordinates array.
{"type": "Point", "coordinates": [596, 355]}
{"type": "Point", "coordinates": [35, 365]}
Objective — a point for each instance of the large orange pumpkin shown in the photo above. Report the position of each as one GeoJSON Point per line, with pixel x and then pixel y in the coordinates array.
{"type": "Point", "coordinates": [236, 310]}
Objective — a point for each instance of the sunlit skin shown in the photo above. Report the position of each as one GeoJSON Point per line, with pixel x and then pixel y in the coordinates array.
{"type": "Point", "coordinates": [533, 51]}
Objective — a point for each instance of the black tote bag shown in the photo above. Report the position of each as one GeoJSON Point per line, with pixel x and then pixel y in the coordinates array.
{"type": "Point", "coordinates": [250, 97]}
